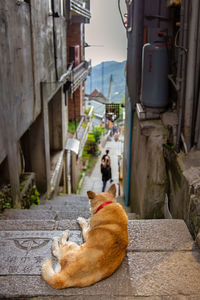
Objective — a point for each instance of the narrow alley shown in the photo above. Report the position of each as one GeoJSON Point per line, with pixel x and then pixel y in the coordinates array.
{"type": "Point", "coordinates": [93, 182]}
{"type": "Point", "coordinates": [58, 106]}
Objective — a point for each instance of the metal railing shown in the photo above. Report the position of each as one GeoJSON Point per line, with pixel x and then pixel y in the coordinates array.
{"type": "Point", "coordinates": [82, 131]}
{"type": "Point", "coordinates": [77, 7]}
{"type": "Point", "coordinates": [79, 74]}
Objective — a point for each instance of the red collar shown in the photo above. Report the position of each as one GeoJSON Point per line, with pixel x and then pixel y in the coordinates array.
{"type": "Point", "coordinates": [102, 205]}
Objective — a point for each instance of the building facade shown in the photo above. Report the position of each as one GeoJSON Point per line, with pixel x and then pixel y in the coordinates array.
{"type": "Point", "coordinates": [162, 141]}
{"type": "Point", "coordinates": [38, 80]}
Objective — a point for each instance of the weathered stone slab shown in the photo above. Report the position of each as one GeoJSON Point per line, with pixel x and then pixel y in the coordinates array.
{"type": "Point", "coordinates": [15, 225]}
{"type": "Point", "coordinates": [64, 215]}
{"type": "Point", "coordinates": [76, 199]}
{"type": "Point", "coordinates": [153, 128]}
{"type": "Point", "coordinates": [159, 235]}
{"type": "Point", "coordinates": [41, 214]}
{"type": "Point", "coordinates": [40, 225]}
{"type": "Point", "coordinates": [145, 235]}
{"type": "Point", "coordinates": [67, 224]}
{"type": "Point", "coordinates": [118, 297]}
{"type": "Point", "coordinates": [150, 274]}
{"type": "Point", "coordinates": [28, 214]}
{"type": "Point", "coordinates": [161, 273]}
{"type": "Point", "coordinates": [22, 252]}
{"type": "Point", "coordinates": [59, 207]}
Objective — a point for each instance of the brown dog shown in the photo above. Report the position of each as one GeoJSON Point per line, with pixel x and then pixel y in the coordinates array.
{"type": "Point", "coordinates": [106, 240]}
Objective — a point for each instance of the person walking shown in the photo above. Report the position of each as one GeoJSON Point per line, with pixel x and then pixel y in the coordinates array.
{"type": "Point", "coordinates": [105, 171]}
{"type": "Point", "coordinates": [105, 155]}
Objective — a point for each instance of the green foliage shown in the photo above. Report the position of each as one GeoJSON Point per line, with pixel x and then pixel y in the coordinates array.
{"type": "Point", "coordinates": [5, 202]}
{"type": "Point", "coordinates": [84, 124]}
{"type": "Point", "coordinates": [72, 126]}
{"type": "Point", "coordinates": [87, 110]}
{"type": "Point", "coordinates": [93, 140]}
{"type": "Point", "coordinates": [32, 197]}
{"type": "Point", "coordinates": [35, 197]}
{"type": "Point", "coordinates": [97, 133]}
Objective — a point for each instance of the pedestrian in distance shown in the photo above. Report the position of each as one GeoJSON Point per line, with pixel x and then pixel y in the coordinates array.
{"type": "Point", "coordinates": [105, 155]}
{"type": "Point", "coordinates": [105, 171]}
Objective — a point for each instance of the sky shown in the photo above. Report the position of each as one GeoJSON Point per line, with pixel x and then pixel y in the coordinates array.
{"type": "Point", "coordinates": [105, 29]}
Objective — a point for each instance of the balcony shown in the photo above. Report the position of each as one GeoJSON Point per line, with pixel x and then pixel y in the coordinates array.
{"type": "Point", "coordinates": [79, 11]}
{"type": "Point", "coordinates": [79, 74]}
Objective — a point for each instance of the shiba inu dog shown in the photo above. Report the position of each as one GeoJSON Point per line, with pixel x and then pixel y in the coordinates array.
{"type": "Point", "coordinates": [103, 250]}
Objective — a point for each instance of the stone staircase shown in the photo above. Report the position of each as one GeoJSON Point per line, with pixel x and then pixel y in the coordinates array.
{"type": "Point", "coordinates": [162, 260]}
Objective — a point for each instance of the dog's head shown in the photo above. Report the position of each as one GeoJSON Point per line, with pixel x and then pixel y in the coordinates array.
{"type": "Point", "coordinates": [97, 199]}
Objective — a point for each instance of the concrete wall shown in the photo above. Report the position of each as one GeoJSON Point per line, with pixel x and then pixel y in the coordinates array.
{"type": "Point", "coordinates": [49, 44]}
{"type": "Point", "coordinates": [184, 188]}
{"type": "Point", "coordinates": [148, 181]}
{"type": "Point", "coordinates": [33, 44]}
{"type": "Point", "coordinates": [76, 171]}
{"type": "Point", "coordinates": [16, 88]}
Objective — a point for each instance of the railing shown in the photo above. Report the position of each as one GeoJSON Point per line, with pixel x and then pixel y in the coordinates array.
{"type": "Point", "coordinates": [77, 7]}
{"type": "Point", "coordinates": [79, 74]}
{"type": "Point", "coordinates": [82, 131]}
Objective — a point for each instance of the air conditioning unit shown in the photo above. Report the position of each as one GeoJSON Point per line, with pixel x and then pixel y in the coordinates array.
{"type": "Point", "coordinates": [74, 54]}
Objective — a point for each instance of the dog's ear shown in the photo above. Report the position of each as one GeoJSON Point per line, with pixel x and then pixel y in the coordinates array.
{"type": "Point", "coordinates": [112, 190]}
{"type": "Point", "coordinates": [91, 195]}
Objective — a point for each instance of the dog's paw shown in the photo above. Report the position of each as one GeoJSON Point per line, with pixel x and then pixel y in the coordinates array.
{"type": "Point", "coordinates": [55, 247]}
{"type": "Point", "coordinates": [66, 234]}
{"type": "Point", "coordinates": [46, 265]}
{"type": "Point", "coordinates": [81, 221]}
{"type": "Point", "coordinates": [64, 237]}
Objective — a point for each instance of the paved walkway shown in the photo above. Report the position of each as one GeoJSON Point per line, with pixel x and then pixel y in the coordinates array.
{"type": "Point", "coordinates": [162, 260]}
{"type": "Point", "coordinates": [94, 182]}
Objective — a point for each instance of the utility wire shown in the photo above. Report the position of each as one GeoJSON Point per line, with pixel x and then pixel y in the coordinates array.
{"type": "Point", "coordinates": [120, 11]}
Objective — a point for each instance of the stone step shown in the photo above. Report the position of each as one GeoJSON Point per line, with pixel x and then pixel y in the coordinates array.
{"type": "Point", "coordinates": [121, 201]}
{"type": "Point", "coordinates": [29, 214]}
{"type": "Point", "coordinates": [64, 206]}
{"type": "Point", "coordinates": [71, 197]}
{"type": "Point", "coordinates": [62, 201]}
{"type": "Point", "coordinates": [50, 214]}
{"type": "Point", "coordinates": [162, 263]}
{"type": "Point", "coordinates": [132, 216]}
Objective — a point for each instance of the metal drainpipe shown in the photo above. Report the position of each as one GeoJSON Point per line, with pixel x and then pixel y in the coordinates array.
{"type": "Point", "coordinates": [196, 123]}
{"type": "Point", "coordinates": [129, 157]}
{"type": "Point", "coordinates": [54, 40]}
{"type": "Point", "coordinates": [180, 33]}
{"type": "Point", "coordinates": [33, 62]}
{"type": "Point", "coordinates": [68, 171]}
{"type": "Point", "coordinates": [135, 51]}
{"type": "Point", "coordinates": [184, 8]}
{"type": "Point", "coordinates": [197, 130]}
{"type": "Point", "coordinates": [190, 80]}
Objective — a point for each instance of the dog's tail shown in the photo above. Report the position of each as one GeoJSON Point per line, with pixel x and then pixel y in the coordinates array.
{"type": "Point", "coordinates": [55, 280]}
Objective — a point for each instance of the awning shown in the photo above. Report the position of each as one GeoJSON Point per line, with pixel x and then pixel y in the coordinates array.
{"type": "Point", "coordinates": [73, 145]}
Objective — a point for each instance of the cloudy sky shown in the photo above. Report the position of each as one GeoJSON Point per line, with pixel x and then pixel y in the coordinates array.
{"type": "Point", "coordinates": [106, 29]}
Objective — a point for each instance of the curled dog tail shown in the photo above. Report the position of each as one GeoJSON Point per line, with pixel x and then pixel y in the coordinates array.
{"type": "Point", "coordinates": [55, 280]}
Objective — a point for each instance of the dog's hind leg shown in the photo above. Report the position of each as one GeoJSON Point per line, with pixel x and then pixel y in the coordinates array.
{"type": "Point", "coordinates": [64, 243]}
{"type": "Point", "coordinates": [64, 238]}
{"type": "Point", "coordinates": [55, 248]}
{"type": "Point", "coordinates": [85, 229]}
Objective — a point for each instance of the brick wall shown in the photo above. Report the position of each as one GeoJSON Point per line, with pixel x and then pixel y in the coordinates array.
{"type": "Point", "coordinates": [77, 111]}
{"type": "Point", "coordinates": [74, 37]}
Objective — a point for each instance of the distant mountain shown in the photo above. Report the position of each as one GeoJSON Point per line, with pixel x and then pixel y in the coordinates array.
{"type": "Point", "coordinates": [101, 73]}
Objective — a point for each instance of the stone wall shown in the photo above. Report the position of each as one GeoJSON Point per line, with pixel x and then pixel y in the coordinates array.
{"type": "Point", "coordinates": [183, 171]}
{"type": "Point", "coordinates": [148, 182]}
{"type": "Point", "coordinates": [157, 170]}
